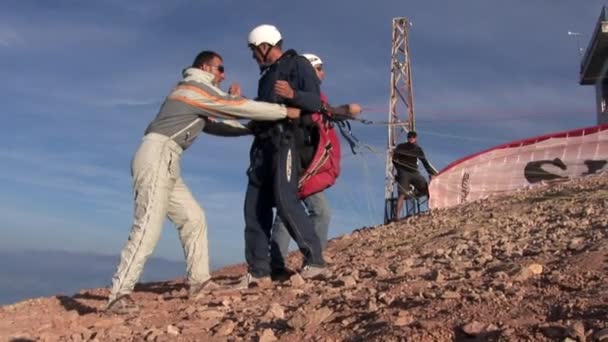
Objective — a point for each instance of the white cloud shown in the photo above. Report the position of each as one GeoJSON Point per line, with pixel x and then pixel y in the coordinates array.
{"type": "Point", "coordinates": [9, 37]}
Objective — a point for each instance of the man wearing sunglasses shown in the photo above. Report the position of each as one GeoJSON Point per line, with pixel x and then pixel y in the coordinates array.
{"type": "Point", "coordinates": [159, 189]}
{"type": "Point", "coordinates": [316, 204]}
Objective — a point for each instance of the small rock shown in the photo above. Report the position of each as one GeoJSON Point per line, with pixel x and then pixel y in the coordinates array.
{"type": "Point", "coordinates": [528, 272]}
{"type": "Point", "coordinates": [576, 331]}
{"type": "Point", "coordinates": [302, 320]}
{"type": "Point", "coordinates": [473, 328]}
{"type": "Point", "coordinates": [318, 317]}
{"type": "Point", "coordinates": [267, 336]}
{"type": "Point", "coordinates": [536, 269]}
{"type": "Point", "coordinates": [76, 338]}
{"type": "Point", "coordinates": [404, 318]}
{"type": "Point", "coordinates": [208, 324]}
{"type": "Point", "coordinates": [555, 277]}
{"type": "Point", "coordinates": [276, 310]}
{"type": "Point", "coordinates": [190, 311]}
{"type": "Point", "coordinates": [226, 328]}
{"type": "Point", "coordinates": [385, 298]}
{"type": "Point", "coordinates": [152, 334]}
{"type": "Point", "coordinates": [436, 275]}
{"type": "Point", "coordinates": [298, 320]}
{"type": "Point", "coordinates": [104, 323]}
{"type": "Point", "coordinates": [381, 272]}
{"type": "Point", "coordinates": [371, 305]}
{"type": "Point", "coordinates": [401, 270]}
{"type": "Point", "coordinates": [347, 282]}
{"type": "Point", "coordinates": [88, 335]}
{"type": "Point", "coordinates": [296, 292]}
{"type": "Point", "coordinates": [296, 280]}
{"type": "Point", "coordinates": [173, 330]}
{"type": "Point", "coordinates": [576, 244]}
{"type": "Point", "coordinates": [428, 295]}
{"type": "Point", "coordinates": [473, 274]}
{"type": "Point", "coordinates": [476, 328]}
{"type": "Point", "coordinates": [450, 295]}
{"type": "Point", "coordinates": [209, 314]}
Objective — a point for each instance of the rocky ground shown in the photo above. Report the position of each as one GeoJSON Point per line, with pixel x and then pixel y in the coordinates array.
{"type": "Point", "coordinates": [526, 267]}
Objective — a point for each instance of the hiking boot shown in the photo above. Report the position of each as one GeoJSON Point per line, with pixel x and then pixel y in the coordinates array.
{"type": "Point", "coordinates": [248, 280]}
{"type": "Point", "coordinates": [122, 305]}
{"type": "Point", "coordinates": [314, 272]}
{"type": "Point", "coordinates": [281, 274]}
{"type": "Point", "coordinates": [196, 291]}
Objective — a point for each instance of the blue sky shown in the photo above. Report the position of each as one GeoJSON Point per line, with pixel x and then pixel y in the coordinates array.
{"type": "Point", "coordinates": [81, 80]}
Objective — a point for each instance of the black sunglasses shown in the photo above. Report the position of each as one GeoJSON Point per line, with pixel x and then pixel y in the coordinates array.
{"type": "Point", "coordinates": [219, 68]}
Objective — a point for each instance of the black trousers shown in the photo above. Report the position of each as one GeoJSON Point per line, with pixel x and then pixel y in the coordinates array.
{"type": "Point", "coordinates": [405, 178]}
{"type": "Point", "coordinates": [273, 182]}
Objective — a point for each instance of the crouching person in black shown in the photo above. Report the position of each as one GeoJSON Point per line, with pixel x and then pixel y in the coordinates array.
{"type": "Point", "coordinates": [405, 159]}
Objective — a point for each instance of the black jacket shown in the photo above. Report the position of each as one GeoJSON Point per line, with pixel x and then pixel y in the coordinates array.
{"type": "Point", "coordinates": [405, 158]}
{"type": "Point", "coordinates": [300, 74]}
{"type": "Point", "coordinates": [302, 78]}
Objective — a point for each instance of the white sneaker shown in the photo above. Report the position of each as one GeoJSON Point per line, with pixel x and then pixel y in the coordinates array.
{"type": "Point", "coordinates": [314, 272]}
{"type": "Point", "coordinates": [248, 280]}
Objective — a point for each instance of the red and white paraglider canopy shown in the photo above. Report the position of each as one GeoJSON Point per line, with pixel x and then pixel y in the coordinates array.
{"type": "Point", "coordinates": [516, 165]}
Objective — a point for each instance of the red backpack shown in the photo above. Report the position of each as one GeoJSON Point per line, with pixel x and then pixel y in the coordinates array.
{"type": "Point", "coordinates": [324, 168]}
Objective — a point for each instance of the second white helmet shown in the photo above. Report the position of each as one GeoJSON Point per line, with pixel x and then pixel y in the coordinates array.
{"type": "Point", "coordinates": [313, 59]}
{"type": "Point", "coordinates": [264, 34]}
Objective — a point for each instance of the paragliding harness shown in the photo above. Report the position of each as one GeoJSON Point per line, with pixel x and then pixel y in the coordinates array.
{"type": "Point", "coordinates": [323, 169]}
{"type": "Point", "coordinates": [317, 140]}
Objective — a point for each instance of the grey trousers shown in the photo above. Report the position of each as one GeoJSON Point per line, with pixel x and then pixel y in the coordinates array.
{"type": "Point", "coordinates": [318, 210]}
{"type": "Point", "coordinates": [160, 192]}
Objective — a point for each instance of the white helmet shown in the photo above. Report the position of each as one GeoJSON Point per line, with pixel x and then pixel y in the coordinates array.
{"type": "Point", "coordinates": [313, 59]}
{"type": "Point", "coordinates": [264, 34]}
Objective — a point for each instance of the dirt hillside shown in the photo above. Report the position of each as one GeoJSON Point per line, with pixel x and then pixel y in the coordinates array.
{"type": "Point", "coordinates": [526, 267]}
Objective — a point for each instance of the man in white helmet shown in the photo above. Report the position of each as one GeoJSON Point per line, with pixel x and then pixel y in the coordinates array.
{"type": "Point", "coordinates": [288, 79]}
{"type": "Point", "coordinates": [316, 204]}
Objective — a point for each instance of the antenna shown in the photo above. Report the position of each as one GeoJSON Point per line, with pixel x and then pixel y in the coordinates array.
{"type": "Point", "coordinates": [577, 35]}
{"type": "Point", "coordinates": [401, 107]}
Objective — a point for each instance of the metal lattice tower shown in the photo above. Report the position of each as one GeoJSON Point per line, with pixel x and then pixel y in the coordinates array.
{"type": "Point", "coordinates": [401, 107]}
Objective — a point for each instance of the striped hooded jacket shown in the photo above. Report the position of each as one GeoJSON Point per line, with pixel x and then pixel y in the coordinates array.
{"type": "Point", "coordinates": [186, 110]}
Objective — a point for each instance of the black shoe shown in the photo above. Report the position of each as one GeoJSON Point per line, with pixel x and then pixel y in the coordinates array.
{"type": "Point", "coordinates": [281, 274]}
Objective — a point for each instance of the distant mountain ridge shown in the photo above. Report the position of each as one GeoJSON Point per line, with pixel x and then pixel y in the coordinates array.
{"type": "Point", "coordinates": [40, 273]}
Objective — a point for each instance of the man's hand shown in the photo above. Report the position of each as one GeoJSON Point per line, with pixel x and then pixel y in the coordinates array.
{"type": "Point", "coordinates": [283, 89]}
{"type": "Point", "coordinates": [234, 89]}
{"type": "Point", "coordinates": [354, 108]}
{"type": "Point", "coordinates": [293, 113]}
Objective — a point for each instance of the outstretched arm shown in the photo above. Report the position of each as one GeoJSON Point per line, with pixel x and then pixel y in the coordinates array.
{"type": "Point", "coordinates": [427, 165]}
{"type": "Point", "coordinates": [208, 100]}
{"type": "Point", "coordinates": [345, 111]}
